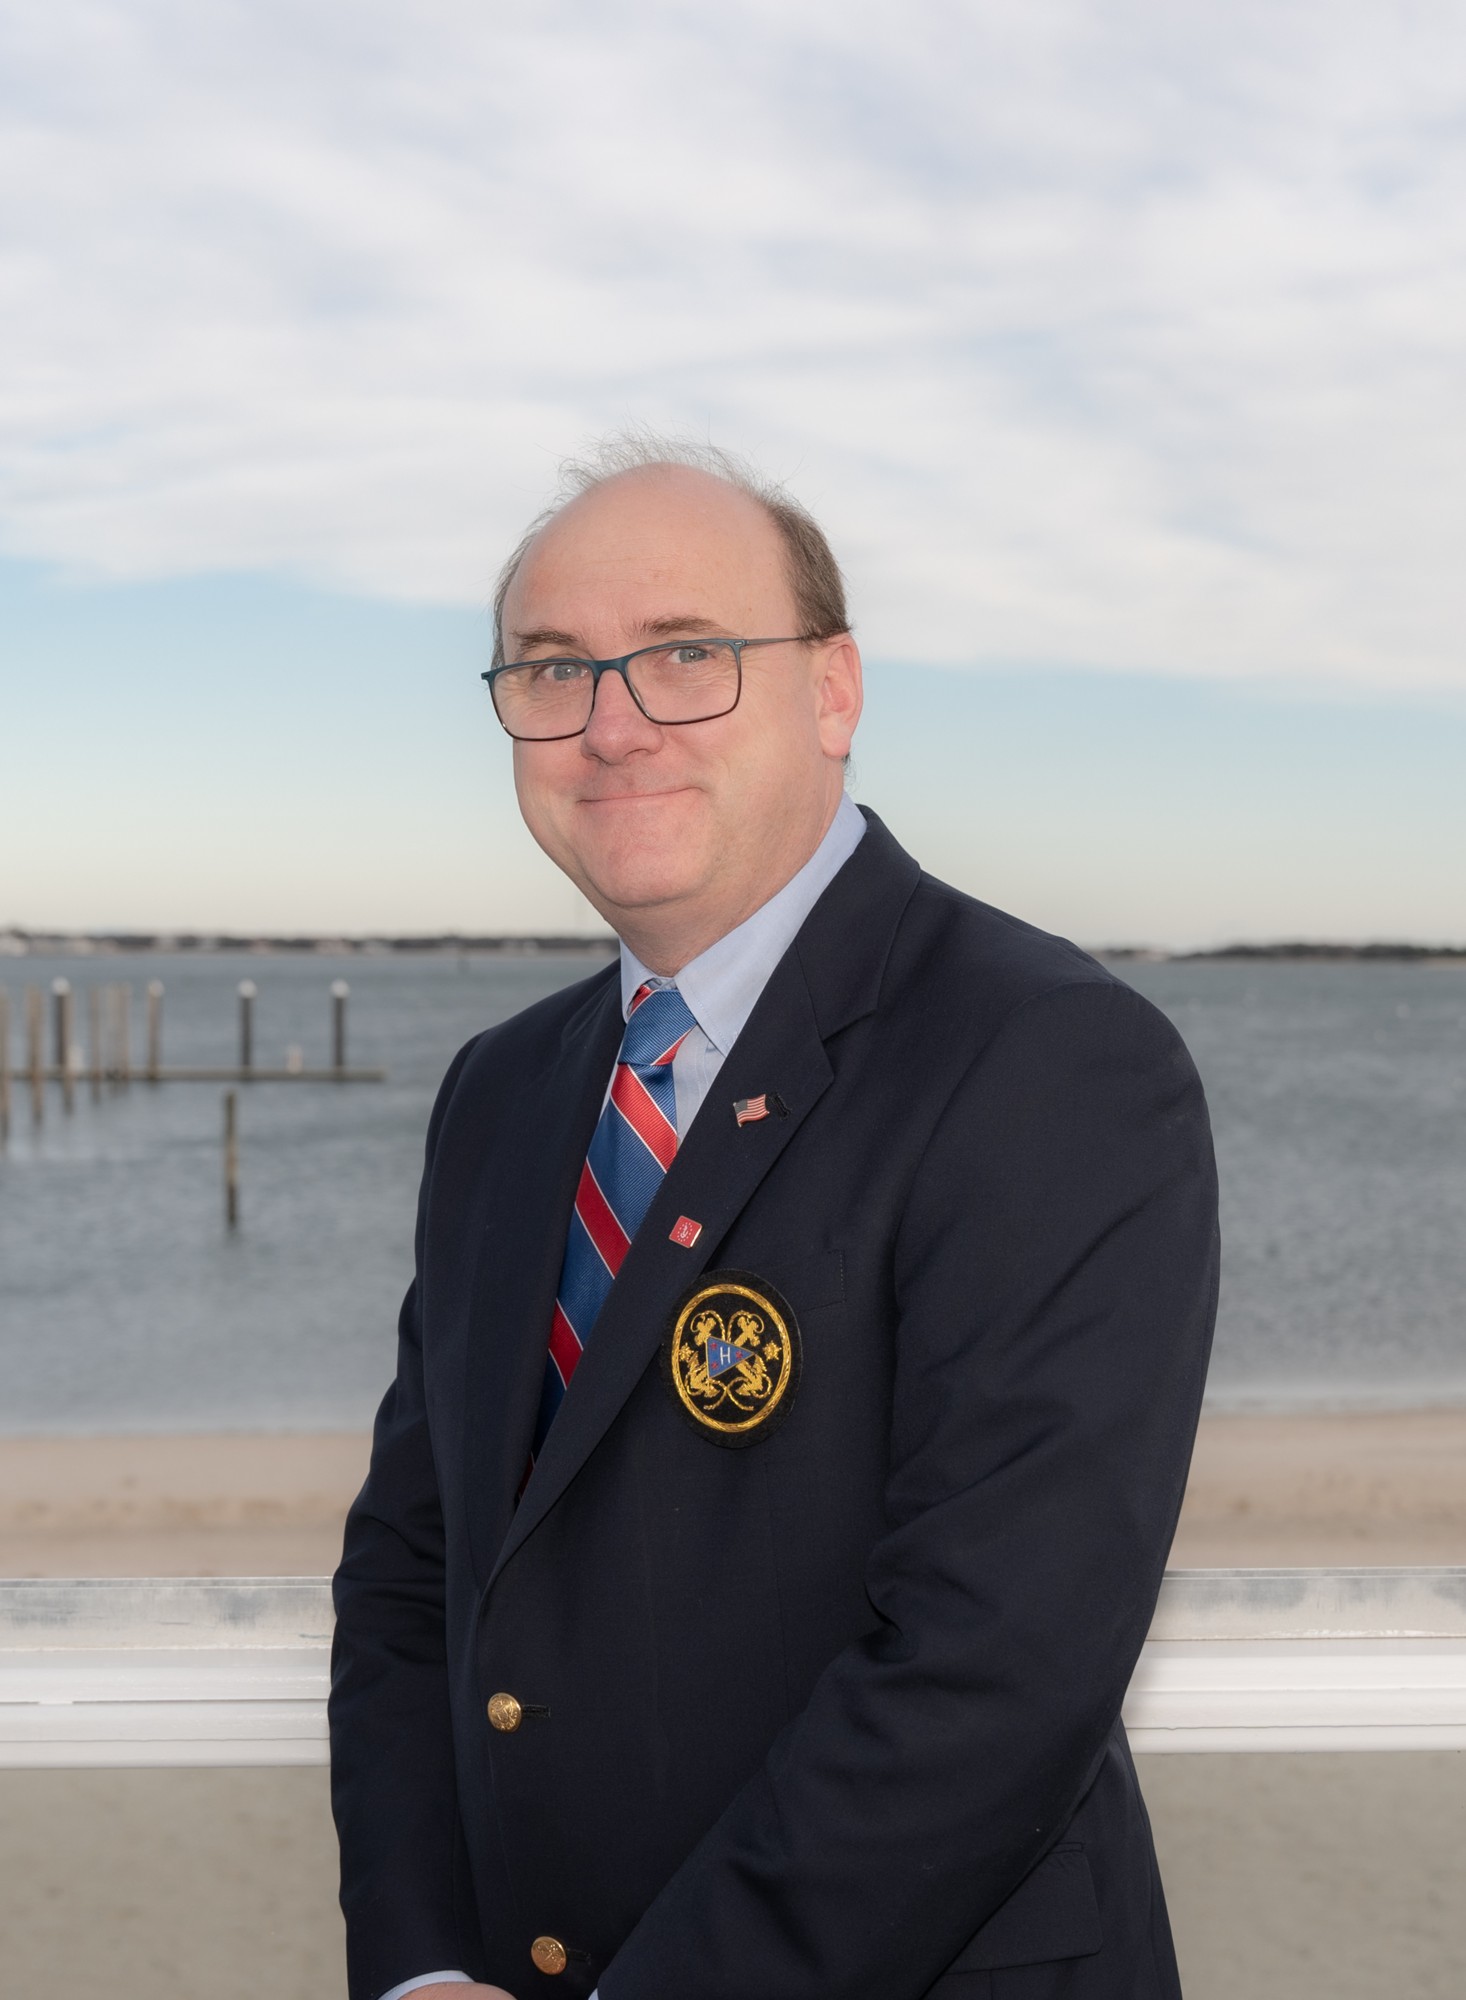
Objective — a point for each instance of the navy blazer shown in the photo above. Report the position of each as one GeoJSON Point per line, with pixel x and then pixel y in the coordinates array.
{"type": "Point", "coordinates": [834, 1716]}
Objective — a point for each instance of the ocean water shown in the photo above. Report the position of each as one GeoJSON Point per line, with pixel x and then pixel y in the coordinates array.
{"type": "Point", "coordinates": [1338, 1097]}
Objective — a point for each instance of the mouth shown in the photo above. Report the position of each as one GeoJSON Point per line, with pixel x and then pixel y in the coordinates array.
{"type": "Point", "coordinates": [635, 798]}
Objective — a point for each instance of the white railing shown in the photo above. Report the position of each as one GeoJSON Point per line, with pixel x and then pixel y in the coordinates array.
{"type": "Point", "coordinates": [234, 1671]}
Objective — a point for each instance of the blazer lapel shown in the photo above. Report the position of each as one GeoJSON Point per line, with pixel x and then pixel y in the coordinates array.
{"type": "Point", "coordinates": [525, 1203]}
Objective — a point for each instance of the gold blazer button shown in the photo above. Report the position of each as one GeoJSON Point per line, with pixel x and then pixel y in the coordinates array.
{"type": "Point", "coordinates": [506, 1714]}
{"type": "Point", "coordinates": [548, 1954]}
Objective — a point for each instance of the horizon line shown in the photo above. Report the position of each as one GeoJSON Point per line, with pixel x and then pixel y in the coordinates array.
{"type": "Point", "coordinates": [18, 941]}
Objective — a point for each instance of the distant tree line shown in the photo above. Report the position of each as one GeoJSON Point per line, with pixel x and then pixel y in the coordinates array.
{"type": "Point", "coordinates": [1294, 950]}
{"type": "Point", "coordinates": [1406, 953]}
{"type": "Point", "coordinates": [16, 941]}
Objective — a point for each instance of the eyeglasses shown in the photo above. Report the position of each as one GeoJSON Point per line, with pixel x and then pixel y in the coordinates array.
{"type": "Point", "coordinates": [684, 680]}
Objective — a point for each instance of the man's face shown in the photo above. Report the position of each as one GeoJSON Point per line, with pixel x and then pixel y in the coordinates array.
{"type": "Point", "coordinates": [676, 834]}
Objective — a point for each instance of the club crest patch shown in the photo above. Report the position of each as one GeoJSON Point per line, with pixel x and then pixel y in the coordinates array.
{"type": "Point", "coordinates": [732, 1356]}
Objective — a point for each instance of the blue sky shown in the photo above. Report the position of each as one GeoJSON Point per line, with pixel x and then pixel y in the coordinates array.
{"type": "Point", "coordinates": [1119, 349]}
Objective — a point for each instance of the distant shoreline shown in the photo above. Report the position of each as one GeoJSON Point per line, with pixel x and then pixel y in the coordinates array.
{"type": "Point", "coordinates": [19, 943]}
{"type": "Point", "coordinates": [108, 944]}
{"type": "Point", "coordinates": [1296, 952]}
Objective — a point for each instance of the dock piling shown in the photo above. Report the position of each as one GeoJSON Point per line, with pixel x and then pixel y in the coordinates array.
{"type": "Point", "coordinates": [247, 991]}
{"type": "Point", "coordinates": [94, 1037]}
{"type": "Point", "coordinates": [4, 1066]}
{"type": "Point", "coordinates": [62, 999]}
{"type": "Point", "coordinates": [122, 996]}
{"type": "Point", "coordinates": [35, 1035]}
{"type": "Point", "coordinates": [231, 1159]}
{"type": "Point", "coordinates": [155, 1028]}
{"type": "Point", "coordinates": [52, 1050]}
{"type": "Point", "coordinates": [60, 992]}
{"type": "Point", "coordinates": [340, 993]}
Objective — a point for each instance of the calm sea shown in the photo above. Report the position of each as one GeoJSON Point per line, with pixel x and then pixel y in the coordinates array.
{"type": "Point", "coordinates": [1338, 1096]}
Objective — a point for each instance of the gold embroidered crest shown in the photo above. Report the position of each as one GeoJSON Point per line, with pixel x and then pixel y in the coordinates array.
{"type": "Point", "coordinates": [732, 1357]}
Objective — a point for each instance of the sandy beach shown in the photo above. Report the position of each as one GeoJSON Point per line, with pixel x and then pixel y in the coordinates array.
{"type": "Point", "coordinates": [1265, 1490]}
{"type": "Point", "coordinates": [1320, 1490]}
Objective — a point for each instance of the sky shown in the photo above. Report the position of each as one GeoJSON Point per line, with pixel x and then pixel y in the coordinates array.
{"type": "Point", "coordinates": [1119, 349]}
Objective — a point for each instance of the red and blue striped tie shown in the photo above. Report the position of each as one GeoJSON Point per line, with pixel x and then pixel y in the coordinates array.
{"type": "Point", "coordinates": [630, 1150]}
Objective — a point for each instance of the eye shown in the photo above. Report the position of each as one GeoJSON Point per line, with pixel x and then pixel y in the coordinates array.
{"type": "Point", "coordinates": [690, 655]}
{"type": "Point", "coordinates": [555, 673]}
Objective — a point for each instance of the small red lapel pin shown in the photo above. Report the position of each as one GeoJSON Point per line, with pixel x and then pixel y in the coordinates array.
{"type": "Point", "coordinates": [748, 1110]}
{"type": "Point", "coordinates": [685, 1231]}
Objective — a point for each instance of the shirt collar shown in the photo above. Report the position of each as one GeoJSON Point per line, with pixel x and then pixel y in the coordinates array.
{"type": "Point", "coordinates": [722, 984]}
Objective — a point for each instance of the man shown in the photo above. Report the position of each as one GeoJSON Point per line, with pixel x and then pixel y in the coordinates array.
{"type": "Point", "coordinates": [780, 1657]}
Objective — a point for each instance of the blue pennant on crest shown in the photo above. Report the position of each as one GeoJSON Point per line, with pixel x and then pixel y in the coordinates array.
{"type": "Point", "coordinates": [723, 1355]}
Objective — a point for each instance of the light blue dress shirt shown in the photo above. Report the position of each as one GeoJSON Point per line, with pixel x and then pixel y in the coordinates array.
{"type": "Point", "coordinates": [721, 986]}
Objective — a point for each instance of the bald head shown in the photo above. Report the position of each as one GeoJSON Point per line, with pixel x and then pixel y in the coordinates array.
{"type": "Point", "coordinates": [612, 557]}
{"type": "Point", "coordinates": [814, 577]}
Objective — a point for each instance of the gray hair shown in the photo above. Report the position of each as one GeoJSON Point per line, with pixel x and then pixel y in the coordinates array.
{"type": "Point", "coordinates": [814, 575]}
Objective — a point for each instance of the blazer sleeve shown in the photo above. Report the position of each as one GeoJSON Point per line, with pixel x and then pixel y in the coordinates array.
{"type": "Point", "coordinates": [393, 1791]}
{"type": "Point", "coordinates": [1055, 1278]}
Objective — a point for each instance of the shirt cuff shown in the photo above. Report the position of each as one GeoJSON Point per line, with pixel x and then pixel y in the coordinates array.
{"type": "Point", "coordinates": [430, 1979]}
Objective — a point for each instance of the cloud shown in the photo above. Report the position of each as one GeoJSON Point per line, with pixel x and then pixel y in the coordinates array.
{"type": "Point", "coordinates": [1123, 338]}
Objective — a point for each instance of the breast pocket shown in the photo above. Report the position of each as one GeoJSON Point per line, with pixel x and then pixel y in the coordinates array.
{"type": "Point", "coordinates": [1052, 1914]}
{"type": "Point", "coordinates": [808, 1279]}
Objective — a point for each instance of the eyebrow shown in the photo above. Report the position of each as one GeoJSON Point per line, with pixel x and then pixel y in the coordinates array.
{"type": "Point", "coordinates": [667, 628]}
{"type": "Point", "coordinates": [690, 624]}
{"type": "Point", "coordinates": [545, 636]}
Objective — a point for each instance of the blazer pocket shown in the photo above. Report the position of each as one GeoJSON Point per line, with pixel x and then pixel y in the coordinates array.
{"type": "Point", "coordinates": [1051, 1914]}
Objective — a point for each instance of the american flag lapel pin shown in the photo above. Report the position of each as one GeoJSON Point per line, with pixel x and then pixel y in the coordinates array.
{"type": "Point", "coordinates": [748, 1110]}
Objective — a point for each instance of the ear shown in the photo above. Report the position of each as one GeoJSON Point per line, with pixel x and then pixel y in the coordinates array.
{"type": "Point", "coordinates": [840, 695]}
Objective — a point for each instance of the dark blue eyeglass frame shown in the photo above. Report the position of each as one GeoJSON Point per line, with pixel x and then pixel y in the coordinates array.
{"type": "Point", "coordinates": [620, 666]}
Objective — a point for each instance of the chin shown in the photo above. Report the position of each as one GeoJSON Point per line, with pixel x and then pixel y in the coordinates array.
{"type": "Point", "coordinates": [644, 884]}
{"type": "Point", "coordinates": [640, 868]}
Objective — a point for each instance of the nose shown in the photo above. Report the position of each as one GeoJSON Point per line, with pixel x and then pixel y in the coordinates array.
{"type": "Point", "coordinates": [617, 726]}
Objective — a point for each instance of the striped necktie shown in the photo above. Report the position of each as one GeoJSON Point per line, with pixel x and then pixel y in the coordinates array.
{"type": "Point", "coordinates": [630, 1150]}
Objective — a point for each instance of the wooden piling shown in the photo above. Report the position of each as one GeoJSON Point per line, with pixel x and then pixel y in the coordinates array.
{"type": "Point", "coordinates": [114, 1035]}
{"type": "Point", "coordinates": [35, 1034]}
{"type": "Point", "coordinates": [231, 1159]}
{"type": "Point", "coordinates": [247, 991]}
{"type": "Point", "coordinates": [94, 1037]}
{"type": "Point", "coordinates": [155, 1028]}
{"type": "Point", "coordinates": [65, 1053]}
{"type": "Point", "coordinates": [59, 990]}
{"type": "Point", "coordinates": [124, 1034]}
{"type": "Point", "coordinates": [340, 993]}
{"type": "Point", "coordinates": [4, 1066]}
